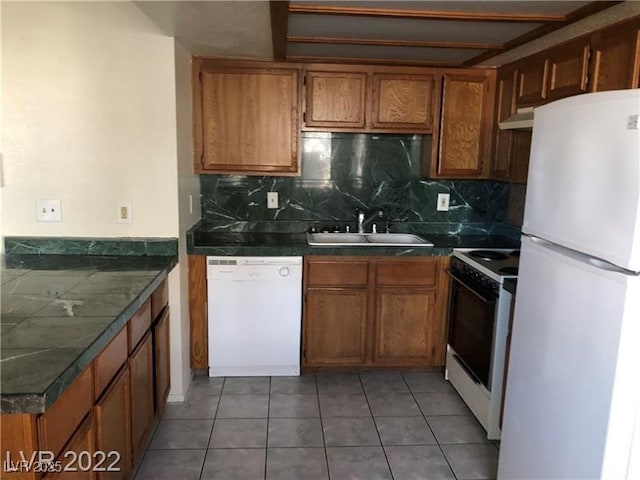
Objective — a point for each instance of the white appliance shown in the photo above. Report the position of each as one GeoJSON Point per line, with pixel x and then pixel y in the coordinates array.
{"type": "Point", "coordinates": [572, 408]}
{"type": "Point", "coordinates": [479, 310]}
{"type": "Point", "coordinates": [255, 311]}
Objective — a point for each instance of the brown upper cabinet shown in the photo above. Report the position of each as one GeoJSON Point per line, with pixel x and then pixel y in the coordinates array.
{"type": "Point", "coordinates": [568, 68]}
{"type": "Point", "coordinates": [365, 98]}
{"type": "Point", "coordinates": [531, 88]}
{"type": "Point", "coordinates": [463, 146]}
{"type": "Point", "coordinates": [246, 117]}
{"type": "Point", "coordinates": [616, 60]}
{"type": "Point", "coordinates": [505, 107]}
{"type": "Point", "coordinates": [335, 99]}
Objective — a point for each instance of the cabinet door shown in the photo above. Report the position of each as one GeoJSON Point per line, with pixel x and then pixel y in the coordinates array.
{"type": "Point", "coordinates": [161, 361]}
{"type": "Point", "coordinates": [568, 65]}
{"type": "Point", "coordinates": [113, 427]}
{"type": "Point", "coordinates": [249, 120]}
{"type": "Point", "coordinates": [466, 114]}
{"type": "Point", "coordinates": [404, 320]}
{"type": "Point", "coordinates": [532, 82]}
{"type": "Point", "coordinates": [335, 327]}
{"type": "Point", "coordinates": [520, 155]}
{"type": "Point", "coordinates": [505, 106]}
{"type": "Point", "coordinates": [616, 59]}
{"type": "Point", "coordinates": [141, 371]}
{"type": "Point", "coordinates": [335, 99]}
{"type": "Point", "coordinates": [403, 102]}
{"type": "Point", "coordinates": [78, 457]}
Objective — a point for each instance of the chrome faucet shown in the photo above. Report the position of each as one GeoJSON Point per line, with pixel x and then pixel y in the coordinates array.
{"type": "Point", "coordinates": [362, 221]}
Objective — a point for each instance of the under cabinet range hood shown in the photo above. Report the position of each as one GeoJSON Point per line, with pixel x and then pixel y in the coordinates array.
{"type": "Point", "coordinates": [521, 120]}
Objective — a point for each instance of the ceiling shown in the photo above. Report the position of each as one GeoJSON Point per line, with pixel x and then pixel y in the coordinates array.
{"type": "Point", "coordinates": [451, 33]}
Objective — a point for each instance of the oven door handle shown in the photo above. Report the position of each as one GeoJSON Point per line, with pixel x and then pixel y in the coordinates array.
{"type": "Point", "coordinates": [470, 288]}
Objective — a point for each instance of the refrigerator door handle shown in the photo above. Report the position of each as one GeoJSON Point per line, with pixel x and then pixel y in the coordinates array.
{"type": "Point", "coordinates": [580, 257]}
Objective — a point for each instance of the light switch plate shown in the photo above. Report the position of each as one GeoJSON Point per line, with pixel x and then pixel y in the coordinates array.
{"type": "Point", "coordinates": [48, 210]}
{"type": "Point", "coordinates": [443, 202]}
{"type": "Point", "coordinates": [124, 214]}
{"type": "Point", "coordinates": [272, 199]}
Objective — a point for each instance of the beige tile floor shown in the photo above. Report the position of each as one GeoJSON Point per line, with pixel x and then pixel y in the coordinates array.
{"type": "Point", "coordinates": [326, 426]}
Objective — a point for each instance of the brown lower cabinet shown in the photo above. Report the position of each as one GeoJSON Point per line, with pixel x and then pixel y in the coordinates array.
{"type": "Point", "coordinates": [141, 367]}
{"type": "Point", "coordinates": [108, 408]}
{"type": "Point", "coordinates": [374, 312]}
{"type": "Point", "coordinates": [78, 460]}
{"type": "Point", "coordinates": [113, 427]}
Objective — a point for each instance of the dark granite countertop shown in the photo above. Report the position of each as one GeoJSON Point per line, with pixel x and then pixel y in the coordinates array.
{"type": "Point", "coordinates": [58, 312]}
{"type": "Point", "coordinates": [289, 244]}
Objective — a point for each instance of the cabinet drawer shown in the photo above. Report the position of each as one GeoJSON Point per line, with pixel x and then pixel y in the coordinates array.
{"type": "Point", "coordinates": [337, 273]}
{"type": "Point", "coordinates": [139, 324]}
{"type": "Point", "coordinates": [399, 273]}
{"type": "Point", "coordinates": [58, 423]}
{"type": "Point", "coordinates": [109, 361]}
{"type": "Point", "coordinates": [159, 299]}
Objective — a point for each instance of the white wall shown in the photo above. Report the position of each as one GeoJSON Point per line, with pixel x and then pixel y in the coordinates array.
{"type": "Point", "coordinates": [97, 110]}
{"type": "Point", "coordinates": [89, 118]}
{"type": "Point", "coordinates": [1, 150]}
{"type": "Point", "coordinates": [188, 186]}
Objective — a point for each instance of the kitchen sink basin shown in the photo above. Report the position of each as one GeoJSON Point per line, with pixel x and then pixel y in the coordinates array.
{"type": "Point", "coordinates": [335, 238]}
{"type": "Point", "coordinates": [366, 240]}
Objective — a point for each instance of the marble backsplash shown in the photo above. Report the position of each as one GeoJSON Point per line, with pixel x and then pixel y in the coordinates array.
{"type": "Point", "coordinates": [342, 173]}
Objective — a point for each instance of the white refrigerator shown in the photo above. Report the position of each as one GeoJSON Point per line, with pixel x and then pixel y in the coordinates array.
{"type": "Point", "coordinates": [572, 403]}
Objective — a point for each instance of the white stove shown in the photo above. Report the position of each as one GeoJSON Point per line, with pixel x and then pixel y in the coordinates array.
{"type": "Point", "coordinates": [479, 310]}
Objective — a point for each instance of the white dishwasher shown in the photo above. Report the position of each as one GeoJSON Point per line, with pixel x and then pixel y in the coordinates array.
{"type": "Point", "coordinates": [255, 313]}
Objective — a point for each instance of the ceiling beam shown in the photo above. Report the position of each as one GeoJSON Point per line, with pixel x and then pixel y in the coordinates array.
{"type": "Point", "coordinates": [367, 60]}
{"type": "Point", "coordinates": [425, 14]}
{"type": "Point", "coordinates": [393, 43]}
{"type": "Point", "coordinates": [572, 17]}
{"type": "Point", "coordinates": [279, 25]}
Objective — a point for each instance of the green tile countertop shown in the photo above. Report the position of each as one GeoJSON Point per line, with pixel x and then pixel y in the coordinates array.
{"type": "Point", "coordinates": [59, 312]}
{"type": "Point", "coordinates": [290, 244]}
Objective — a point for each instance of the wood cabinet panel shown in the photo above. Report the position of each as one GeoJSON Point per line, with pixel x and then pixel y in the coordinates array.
{"type": "Point", "coordinates": [403, 102]}
{"type": "Point", "coordinates": [139, 325]}
{"type": "Point", "coordinates": [413, 272]}
{"type": "Point", "coordinates": [159, 299]}
{"type": "Point", "coordinates": [616, 61]}
{"type": "Point", "coordinates": [404, 320]}
{"type": "Point", "coordinates": [520, 155]}
{"type": "Point", "coordinates": [568, 68]}
{"type": "Point", "coordinates": [56, 425]}
{"type": "Point", "coordinates": [505, 107]}
{"type": "Point", "coordinates": [532, 81]}
{"type": "Point", "coordinates": [82, 443]}
{"type": "Point", "coordinates": [109, 361]}
{"type": "Point", "coordinates": [113, 426]}
{"type": "Point", "coordinates": [249, 119]}
{"type": "Point", "coordinates": [18, 433]}
{"type": "Point", "coordinates": [335, 99]}
{"type": "Point", "coordinates": [322, 272]}
{"type": "Point", "coordinates": [335, 327]}
{"type": "Point", "coordinates": [198, 327]}
{"type": "Point", "coordinates": [161, 362]}
{"type": "Point", "coordinates": [141, 387]}
{"type": "Point", "coordinates": [466, 116]}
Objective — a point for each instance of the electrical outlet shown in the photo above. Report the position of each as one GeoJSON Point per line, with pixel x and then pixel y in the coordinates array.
{"type": "Point", "coordinates": [443, 202]}
{"type": "Point", "coordinates": [272, 199]}
{"type": "Point", "coordinates": [48, 211]}
{"type": "Point", "coordinates": [124, 214]}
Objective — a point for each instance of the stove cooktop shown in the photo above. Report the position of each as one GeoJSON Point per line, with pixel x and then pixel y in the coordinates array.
{"type": "Point", "coordinates": [497, 263]}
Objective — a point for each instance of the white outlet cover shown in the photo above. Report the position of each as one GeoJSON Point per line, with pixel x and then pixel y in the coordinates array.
{"type": "Point", "coordinates": [124, 214]}
{"type": "Point", "coordinates": [48, 211]}
{"type": "Point", "coordinates": [443, 202]}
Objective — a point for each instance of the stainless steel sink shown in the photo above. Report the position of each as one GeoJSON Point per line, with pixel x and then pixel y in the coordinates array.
{"type": "Point", "coordinates": [366, 240]}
